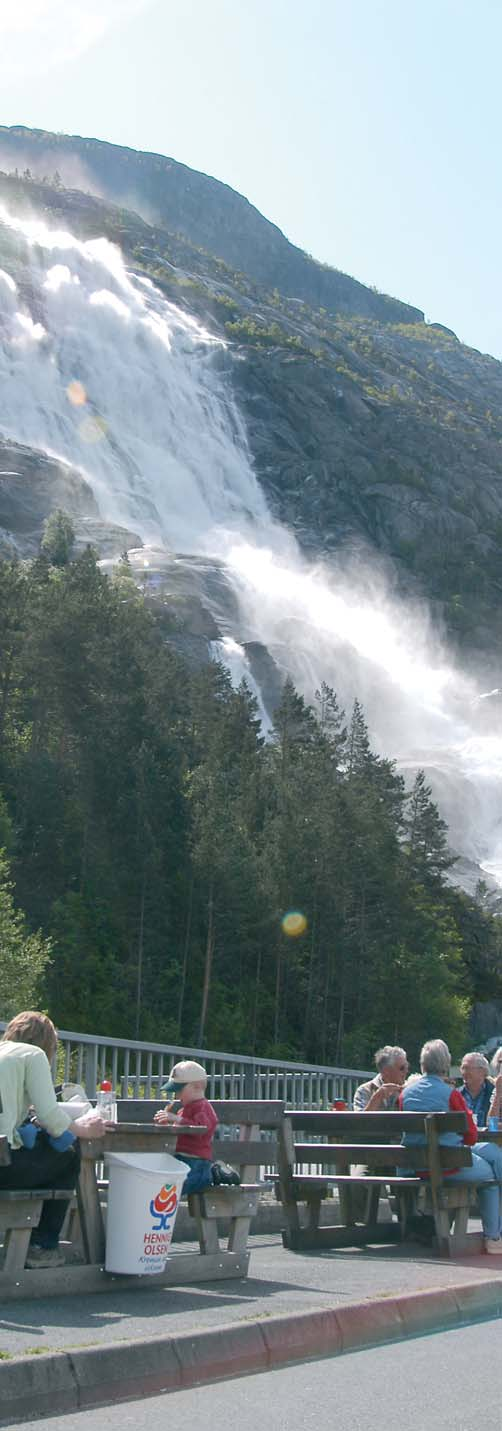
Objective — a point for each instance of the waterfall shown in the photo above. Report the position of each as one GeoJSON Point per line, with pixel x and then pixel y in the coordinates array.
{"type": "Point", "coordinates": [234, 657]}
{"type": "Point", "coordinates": [98, 369]}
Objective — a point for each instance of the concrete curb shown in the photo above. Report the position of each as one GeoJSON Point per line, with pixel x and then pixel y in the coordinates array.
{"type": "Point", "coordinates": [70, 1381]}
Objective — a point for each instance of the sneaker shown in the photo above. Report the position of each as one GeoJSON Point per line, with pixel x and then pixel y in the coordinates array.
{"type": "Point", "coordinates": [494, 1246]}
{"type": "Point", "coordinates": [44, 1257]}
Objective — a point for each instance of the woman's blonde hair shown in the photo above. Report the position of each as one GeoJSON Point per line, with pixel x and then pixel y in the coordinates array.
{"type": "Point", "coordinates": [30, 1027]}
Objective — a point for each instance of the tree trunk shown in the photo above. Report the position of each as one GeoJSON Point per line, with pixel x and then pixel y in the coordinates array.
{"type": "Point", "coordinates": [310, 986]}
{"type": "Point", "coordinates": [140, 953]}
{"type": "Point", "coordinates": [340, 1032]}
{"type": "Point", "coordinates": [186, 951]}
{"type": "Point", "coordinates": [256, 1002]}
{"type": "Point", "coordinates": [277, 991]}
{"type": "Point", "coordinates": [324, 1024]}
{"type": "Point", "coordinates": [85, 853]}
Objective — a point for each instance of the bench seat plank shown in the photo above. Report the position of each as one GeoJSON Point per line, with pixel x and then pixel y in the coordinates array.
{"type": "Point", "coordinates": [375, 1154]}
{"type": "Point", "coordinates": [24, 1194]}
{"type": "Point", "coordinates": [312, 1180]}
{"type": "Point", "coordinates": [351, 1126]}
{"type": "Point", "coordinates": [241, 1151]}
{"type": "Point", "coordinates": [233, 1202]}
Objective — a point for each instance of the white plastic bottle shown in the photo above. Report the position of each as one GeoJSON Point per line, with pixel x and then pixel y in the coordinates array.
{"type": "Point", "coordinates": [106, 1104]}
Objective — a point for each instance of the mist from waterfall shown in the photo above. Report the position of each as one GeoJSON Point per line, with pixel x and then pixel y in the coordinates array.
{"type": "Point", "coordinates": [98, 369]}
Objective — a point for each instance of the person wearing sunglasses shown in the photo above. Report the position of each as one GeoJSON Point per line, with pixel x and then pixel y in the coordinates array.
{"type": "Point", "coordinates": [382, 1092]}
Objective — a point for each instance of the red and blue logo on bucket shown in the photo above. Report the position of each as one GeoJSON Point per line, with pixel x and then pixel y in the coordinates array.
{"type": "Point", "coordinates": [163, 1207]}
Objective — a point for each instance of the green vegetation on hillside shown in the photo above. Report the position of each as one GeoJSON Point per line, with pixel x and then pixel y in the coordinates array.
{"type": "Point", "coordinates": [157, 842]}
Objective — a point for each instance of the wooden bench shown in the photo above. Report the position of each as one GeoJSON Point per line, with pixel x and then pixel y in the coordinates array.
{"type": "Point", "coordinates": [343, 1140]}
{"type": "Point", "coordinates": [247, 1151]}
{"type": "Point", "coordinates": [20, 1212]}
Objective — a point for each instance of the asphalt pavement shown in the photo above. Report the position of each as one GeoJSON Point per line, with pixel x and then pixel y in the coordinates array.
{"type": "Point", "coordinates": [451, 1381]}
{"type": "Point", "coordinates": [279, 1282]}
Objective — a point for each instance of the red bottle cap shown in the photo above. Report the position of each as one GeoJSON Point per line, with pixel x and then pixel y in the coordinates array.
{"type": "Point", "coordinates": [339, 1105]}
{"type": "Point", "coordinates": [105, 1086]}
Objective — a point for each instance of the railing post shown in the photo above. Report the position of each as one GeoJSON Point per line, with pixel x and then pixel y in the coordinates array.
{"type": "Point", "coordinates": [249, 1080]}
{"type": "Point", "coordinates": [91, 1069]}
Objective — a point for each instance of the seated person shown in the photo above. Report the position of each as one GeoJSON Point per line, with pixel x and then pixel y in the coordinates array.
{"type": "Point", "coordinates": [376, 1096]}
{"type": "Point", "coordinates": [495, 1109]}
{"type": "Point", "coordinates": [477, 1088]}
{"type": "Point", "coordinates": [433, 1093]}
{"type": "Point", "coordinates": [27, 1049]}
{"type": "Point", "coordinates": [187, 1080]}
{"type": "Point", "coordinates": [383, 1091]}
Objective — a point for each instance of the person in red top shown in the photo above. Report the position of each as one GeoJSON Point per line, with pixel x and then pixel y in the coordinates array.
{"type": "Point", "coordinates": [187, 1081]}
{"type": "Point", "coordinates": [431, 1092]}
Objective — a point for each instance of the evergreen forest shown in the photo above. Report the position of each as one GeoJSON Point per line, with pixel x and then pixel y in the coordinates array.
{"type": "Point", "coordinates": [154, 844]}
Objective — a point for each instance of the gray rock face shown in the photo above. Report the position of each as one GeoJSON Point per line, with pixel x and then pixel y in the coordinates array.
{"type": "Point", "coordinates": [206, 211]}
{"type": "Point", "coordinates": [31, 487]}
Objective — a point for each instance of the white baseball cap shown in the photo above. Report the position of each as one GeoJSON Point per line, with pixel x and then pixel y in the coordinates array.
{"type": "Point", "coordinates": [185, 1072]}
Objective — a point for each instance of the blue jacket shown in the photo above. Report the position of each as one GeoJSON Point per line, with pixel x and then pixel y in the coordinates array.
{"type": "Point", "coordinates": [430, 1094]}
{"type": "Point", "coordinates": [481, 1103]}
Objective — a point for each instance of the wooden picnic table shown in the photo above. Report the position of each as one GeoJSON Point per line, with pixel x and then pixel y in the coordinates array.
{"type": "Point", "coordinates": [221, 1215]}
{"type": "Point", "coordinates": [124, 1138]}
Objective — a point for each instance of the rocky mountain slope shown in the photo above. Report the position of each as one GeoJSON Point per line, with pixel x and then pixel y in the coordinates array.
{"type": "Point", "coordinates": [370, 429]}
{"type": "Point", "coordinates": [200, 208]}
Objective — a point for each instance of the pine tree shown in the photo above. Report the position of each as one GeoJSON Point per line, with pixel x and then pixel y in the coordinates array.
{"type": "Point", "coordinates": [58, 538]}
{"type": "Point", "coordinates": [425, 834]}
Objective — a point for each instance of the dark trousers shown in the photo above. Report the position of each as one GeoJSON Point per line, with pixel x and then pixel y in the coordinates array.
{"type": "Point", "coordinates": [200, 1175]}
{"type": "Point", "coordinates": [43, 1167]}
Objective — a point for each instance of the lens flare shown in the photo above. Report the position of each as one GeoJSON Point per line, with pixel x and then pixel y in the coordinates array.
{"type": "Point", "coordinates": [76, 393]}
{"type": "Point", "coordinates": [294, 923]}
{"type": "Point", "coordinates": [92, 429]}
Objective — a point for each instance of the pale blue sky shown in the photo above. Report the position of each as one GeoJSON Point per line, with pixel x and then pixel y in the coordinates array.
{"type": "Point", "coordinates": [369, 130]}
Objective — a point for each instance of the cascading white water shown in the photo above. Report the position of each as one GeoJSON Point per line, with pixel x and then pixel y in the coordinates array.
{"type": "Point", "coordinates": [98, 369]}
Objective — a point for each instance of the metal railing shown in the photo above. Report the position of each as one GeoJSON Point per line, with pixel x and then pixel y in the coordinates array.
{"type": "Point", "coordinates": [138, 1070]}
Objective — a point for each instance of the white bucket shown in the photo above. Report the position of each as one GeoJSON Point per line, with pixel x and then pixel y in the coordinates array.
{"type": "Point", "coordinates": [143, 1197]}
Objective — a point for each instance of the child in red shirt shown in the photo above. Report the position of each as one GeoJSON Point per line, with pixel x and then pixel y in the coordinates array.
{"type": "Point", "coordinates": [187, 1081]}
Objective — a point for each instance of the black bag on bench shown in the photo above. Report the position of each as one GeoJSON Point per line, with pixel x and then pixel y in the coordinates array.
{"type": "Point", "coordinates": [224, 1176]}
